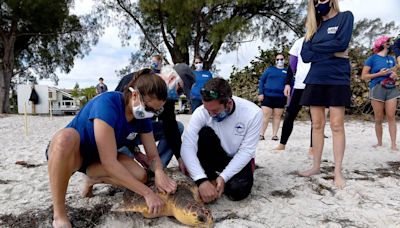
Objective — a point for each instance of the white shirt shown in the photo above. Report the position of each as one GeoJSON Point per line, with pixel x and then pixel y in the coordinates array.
{"type": "Point", "coordinates": [302, 68]}
{"type": "Point", "coordinates": [238, 133]}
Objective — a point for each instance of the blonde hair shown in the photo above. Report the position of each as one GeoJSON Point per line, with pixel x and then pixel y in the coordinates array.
{"type": "Point", "coordinates": [312, 21]}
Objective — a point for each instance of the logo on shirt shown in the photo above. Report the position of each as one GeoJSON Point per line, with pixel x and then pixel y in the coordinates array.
{"type": "Point", "coordinates": [132, 136]}
{"type": "Point", "coordinates": [284, 71]}
{"type": "Point", "coordinates": [239, 128]}
{"type": "Point", "coordinates": [332, 30]}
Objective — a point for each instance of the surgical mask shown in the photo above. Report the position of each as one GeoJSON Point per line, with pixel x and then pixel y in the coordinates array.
{"type": "Point", "coordinates": [198, 66]}
{"type": "Point", "coordinates": [323, 8]}
{"type": "Point", "coordinates": [280, 63]}
{"type": "Point", "coordinates": [221, 116]}
{"type": "Point", "coordinates": [139, 112]}
{"type": "Point", "coordinates": [155, 67]}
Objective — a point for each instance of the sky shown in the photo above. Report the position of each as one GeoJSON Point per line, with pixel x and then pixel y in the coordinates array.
{"type": "Point", "coordinates": [109, 55]}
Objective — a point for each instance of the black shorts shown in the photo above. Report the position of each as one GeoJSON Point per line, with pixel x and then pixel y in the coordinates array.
{"type": "Point", "coordinates": [87, 158]}
{"type": "Point", "coordinates": [274, 102]}
{"type": "Point", "coordinates": [326, 95]}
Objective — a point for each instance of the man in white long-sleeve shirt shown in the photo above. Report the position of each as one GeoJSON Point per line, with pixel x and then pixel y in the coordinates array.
{"type": "Point", "coordinates": [219, 145]}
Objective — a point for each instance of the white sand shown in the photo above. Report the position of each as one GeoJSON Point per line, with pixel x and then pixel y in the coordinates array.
{"type": "Point", "coordinates": [370, 199]}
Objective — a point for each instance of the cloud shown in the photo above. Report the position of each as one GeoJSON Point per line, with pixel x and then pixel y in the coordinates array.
{"type": "Point", "coordinates": [109, 55]}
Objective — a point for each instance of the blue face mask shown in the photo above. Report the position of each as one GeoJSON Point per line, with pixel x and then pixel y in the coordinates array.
{"type": "Point", "coordinates": [221, 116]}
{"type": "Point", "coordinates": [323, 9]}
{"type": "Point", "coordinates": [154, 67]}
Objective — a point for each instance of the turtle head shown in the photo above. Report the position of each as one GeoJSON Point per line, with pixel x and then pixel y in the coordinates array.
{"type": "Point", "coordinates": [204, 220]}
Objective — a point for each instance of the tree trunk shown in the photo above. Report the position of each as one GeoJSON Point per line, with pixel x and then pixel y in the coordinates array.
{"type": "Point", "coordinates": [6, 70]}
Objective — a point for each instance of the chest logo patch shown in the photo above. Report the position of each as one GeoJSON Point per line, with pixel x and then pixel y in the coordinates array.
{"type": "Point", "coordinates": [132, 136]}
{"type": "Point", "coordinates": [240, 128]}
{"type": "Point", "coordinates": [332, 30]}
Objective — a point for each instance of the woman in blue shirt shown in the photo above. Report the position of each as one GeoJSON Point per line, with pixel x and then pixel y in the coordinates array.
{"type": "Point", "coordinates": [328, 81]}
{"type": "Point", "coordinates": [383, 91]}
{"type": "Point", "coordinates": [271, 96]}
{"type": "Point", "coordinates": [89, 144]}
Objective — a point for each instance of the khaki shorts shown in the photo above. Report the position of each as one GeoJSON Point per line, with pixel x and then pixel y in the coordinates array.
{"type": "Point", "coordinates": [382, 94]}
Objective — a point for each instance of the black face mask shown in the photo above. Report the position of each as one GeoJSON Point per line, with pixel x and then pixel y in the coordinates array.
{"type": "Point", "coordinates": [323, 9]}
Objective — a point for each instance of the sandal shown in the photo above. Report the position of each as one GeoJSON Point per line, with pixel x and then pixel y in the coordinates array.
{"type": "Point", "coordinates": [262, 137]}
{"type": "Point", "coordinates": [275, 138]}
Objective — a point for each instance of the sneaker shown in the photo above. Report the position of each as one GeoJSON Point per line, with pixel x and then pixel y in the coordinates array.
{"type": "Point", "coordinates": [262, 137]}
{"type": "Point", "coordinates": [275, 138]}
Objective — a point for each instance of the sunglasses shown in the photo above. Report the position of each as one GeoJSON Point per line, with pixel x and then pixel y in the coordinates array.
{"type": "Point", "coordinates": [209, 93]}
{"type": "Point", "coordinates": [280, 59]}
{"type": "Point", "coordinates": [150, 109]}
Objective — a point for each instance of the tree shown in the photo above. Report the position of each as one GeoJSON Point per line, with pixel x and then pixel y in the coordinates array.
{"type": "Point", "coordinates": [185, 29]}
{"type": "Point", "coordinates": [76, 91]}
{"type": "Point", "coordinates": [39, 37]}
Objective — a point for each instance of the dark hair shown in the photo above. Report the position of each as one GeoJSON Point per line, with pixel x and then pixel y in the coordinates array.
{"type": "Point", "coordinates": [216, 89]}
{"type": "Point", "coordinates": [198, 57]}
{"type": "Point", "coordinates": [158, 57]}
{"type": "Point", "coordinates": [148, 84]}
{"type": "Point", "coordinates": [101, 79]}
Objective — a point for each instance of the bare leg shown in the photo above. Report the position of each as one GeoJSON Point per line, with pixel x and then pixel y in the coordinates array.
{"type": "Point", "coordinates": [390, 107]}
{"type": "Point", "coordinates": [276, 120]}
{"type": "Point", "coordinates": [64, 160]}
{"type": "Point", "coordinates": [267, 115]}
{"type": "Point", "coordinates": [318, 125]}
{"type": "Point", "coordinates": [97, 174]}
{"type": "Point", "coordinates": [339, 143]}
{"type": "Point", "coordinates": [378, 107]}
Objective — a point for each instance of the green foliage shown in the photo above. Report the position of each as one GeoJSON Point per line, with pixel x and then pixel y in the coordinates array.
{"type": "Point", "coordinates": [245, 82]}
{"type": "Point", "coordinates": [184, 29]}
{"type": "Point", "coordinates": [87, 94]}
{"type": "Point", "coordinates": [38, 37]}
{"type": "Point", "coordinates": [76, 91]}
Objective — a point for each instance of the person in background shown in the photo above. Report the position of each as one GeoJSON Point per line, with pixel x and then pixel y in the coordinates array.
{"type": "Point", "coordinates": [383, 90]}
{"type": "Point", "coordinates": [300, 69]}
{"type": "Point", "coordinates": [156, 63]}
{"type": "Point", "coordinates": [270, 93]}
{"type": "Point", "coordinates": [101, 87]}
{"type": "Point", "coordinates": [328, 81]}
{"type": "Point", "coordinates": [90, 141]}
{"type": "Point", "coordinates": [201, 77]}
{"type": "Point", "coordinates": [220, 142]}
{"type": "Point", "coordinates": [396, 49]}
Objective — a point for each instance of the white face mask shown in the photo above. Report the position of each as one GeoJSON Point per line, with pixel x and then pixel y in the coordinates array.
{"type": "Point", "coordinates": [139, 112]}
{"type": "Point", "coordinates": [198, 66]}
{"type": "Point", "coordinates": [280, 63]}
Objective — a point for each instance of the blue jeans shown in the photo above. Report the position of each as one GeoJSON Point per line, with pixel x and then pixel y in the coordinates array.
{"type": "Point", "coordinates": [164, 151]}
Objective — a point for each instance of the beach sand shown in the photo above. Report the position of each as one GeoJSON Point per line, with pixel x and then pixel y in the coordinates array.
{"type": "Point", "coordinates": [279, 197]}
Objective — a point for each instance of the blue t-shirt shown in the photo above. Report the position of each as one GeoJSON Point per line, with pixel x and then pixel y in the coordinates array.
{"type": "Point", "coordinates": [377, 62]}
{"type": "Point", "coordinates": [110, 108]}
{"type": "Point", "coordinates": [272, 82]}
{"type": "Point", "coordinates": [201, 78]}
{"type": "Point", "coordinates": [333, 35]}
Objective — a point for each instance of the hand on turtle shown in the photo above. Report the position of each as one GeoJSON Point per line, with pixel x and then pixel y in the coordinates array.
{"type": "Point", "coordinates": [207, 192]}
{"type": "Point", "coordinates": [164, 183]}
{"type": "Point", "coordinates": [220, 186]}
{"type": "Point", "coordinates": [154, 203]}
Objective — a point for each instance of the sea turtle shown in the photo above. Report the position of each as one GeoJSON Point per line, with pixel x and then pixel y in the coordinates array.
{"type": "Point", "coordinates": [185, 204]}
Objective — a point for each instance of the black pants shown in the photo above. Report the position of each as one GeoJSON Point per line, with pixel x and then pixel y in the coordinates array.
{"type": "Point", "coordinates": [214, 159]}
{"type": "Point", "coordinates": [291, 113]}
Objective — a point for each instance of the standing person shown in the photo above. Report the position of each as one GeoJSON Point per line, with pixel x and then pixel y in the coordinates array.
{"type": "Point", "coordinates": [89, 145]}
{"type": "Point", "coordinates": [383, 90]}
{"type": "Point", "coordinates": [201, 77]}
{"type": "Point", "coordinates": [328, 81]}
{"type": "Point", "coordinates": [300, 69]}
{"type": "Point", "coordinates": [220, 142]}
{"type": "Point", "coordinates": [396, 49]}
{"type": "Point", "coordinates": [270, 90]}
{"type": "Point", "coordinates": [101, 87]}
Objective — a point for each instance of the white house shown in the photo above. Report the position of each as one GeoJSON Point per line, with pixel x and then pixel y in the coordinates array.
{"type": "Point", "coordinates": [59, 101]}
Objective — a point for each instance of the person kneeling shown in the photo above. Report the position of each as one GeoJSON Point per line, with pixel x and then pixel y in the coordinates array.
{"type": "Point", "coordinates": [219, 145]}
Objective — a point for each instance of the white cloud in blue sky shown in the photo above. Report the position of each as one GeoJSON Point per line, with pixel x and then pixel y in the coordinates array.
{"type": "Point", "coordinates": [109, 55]}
